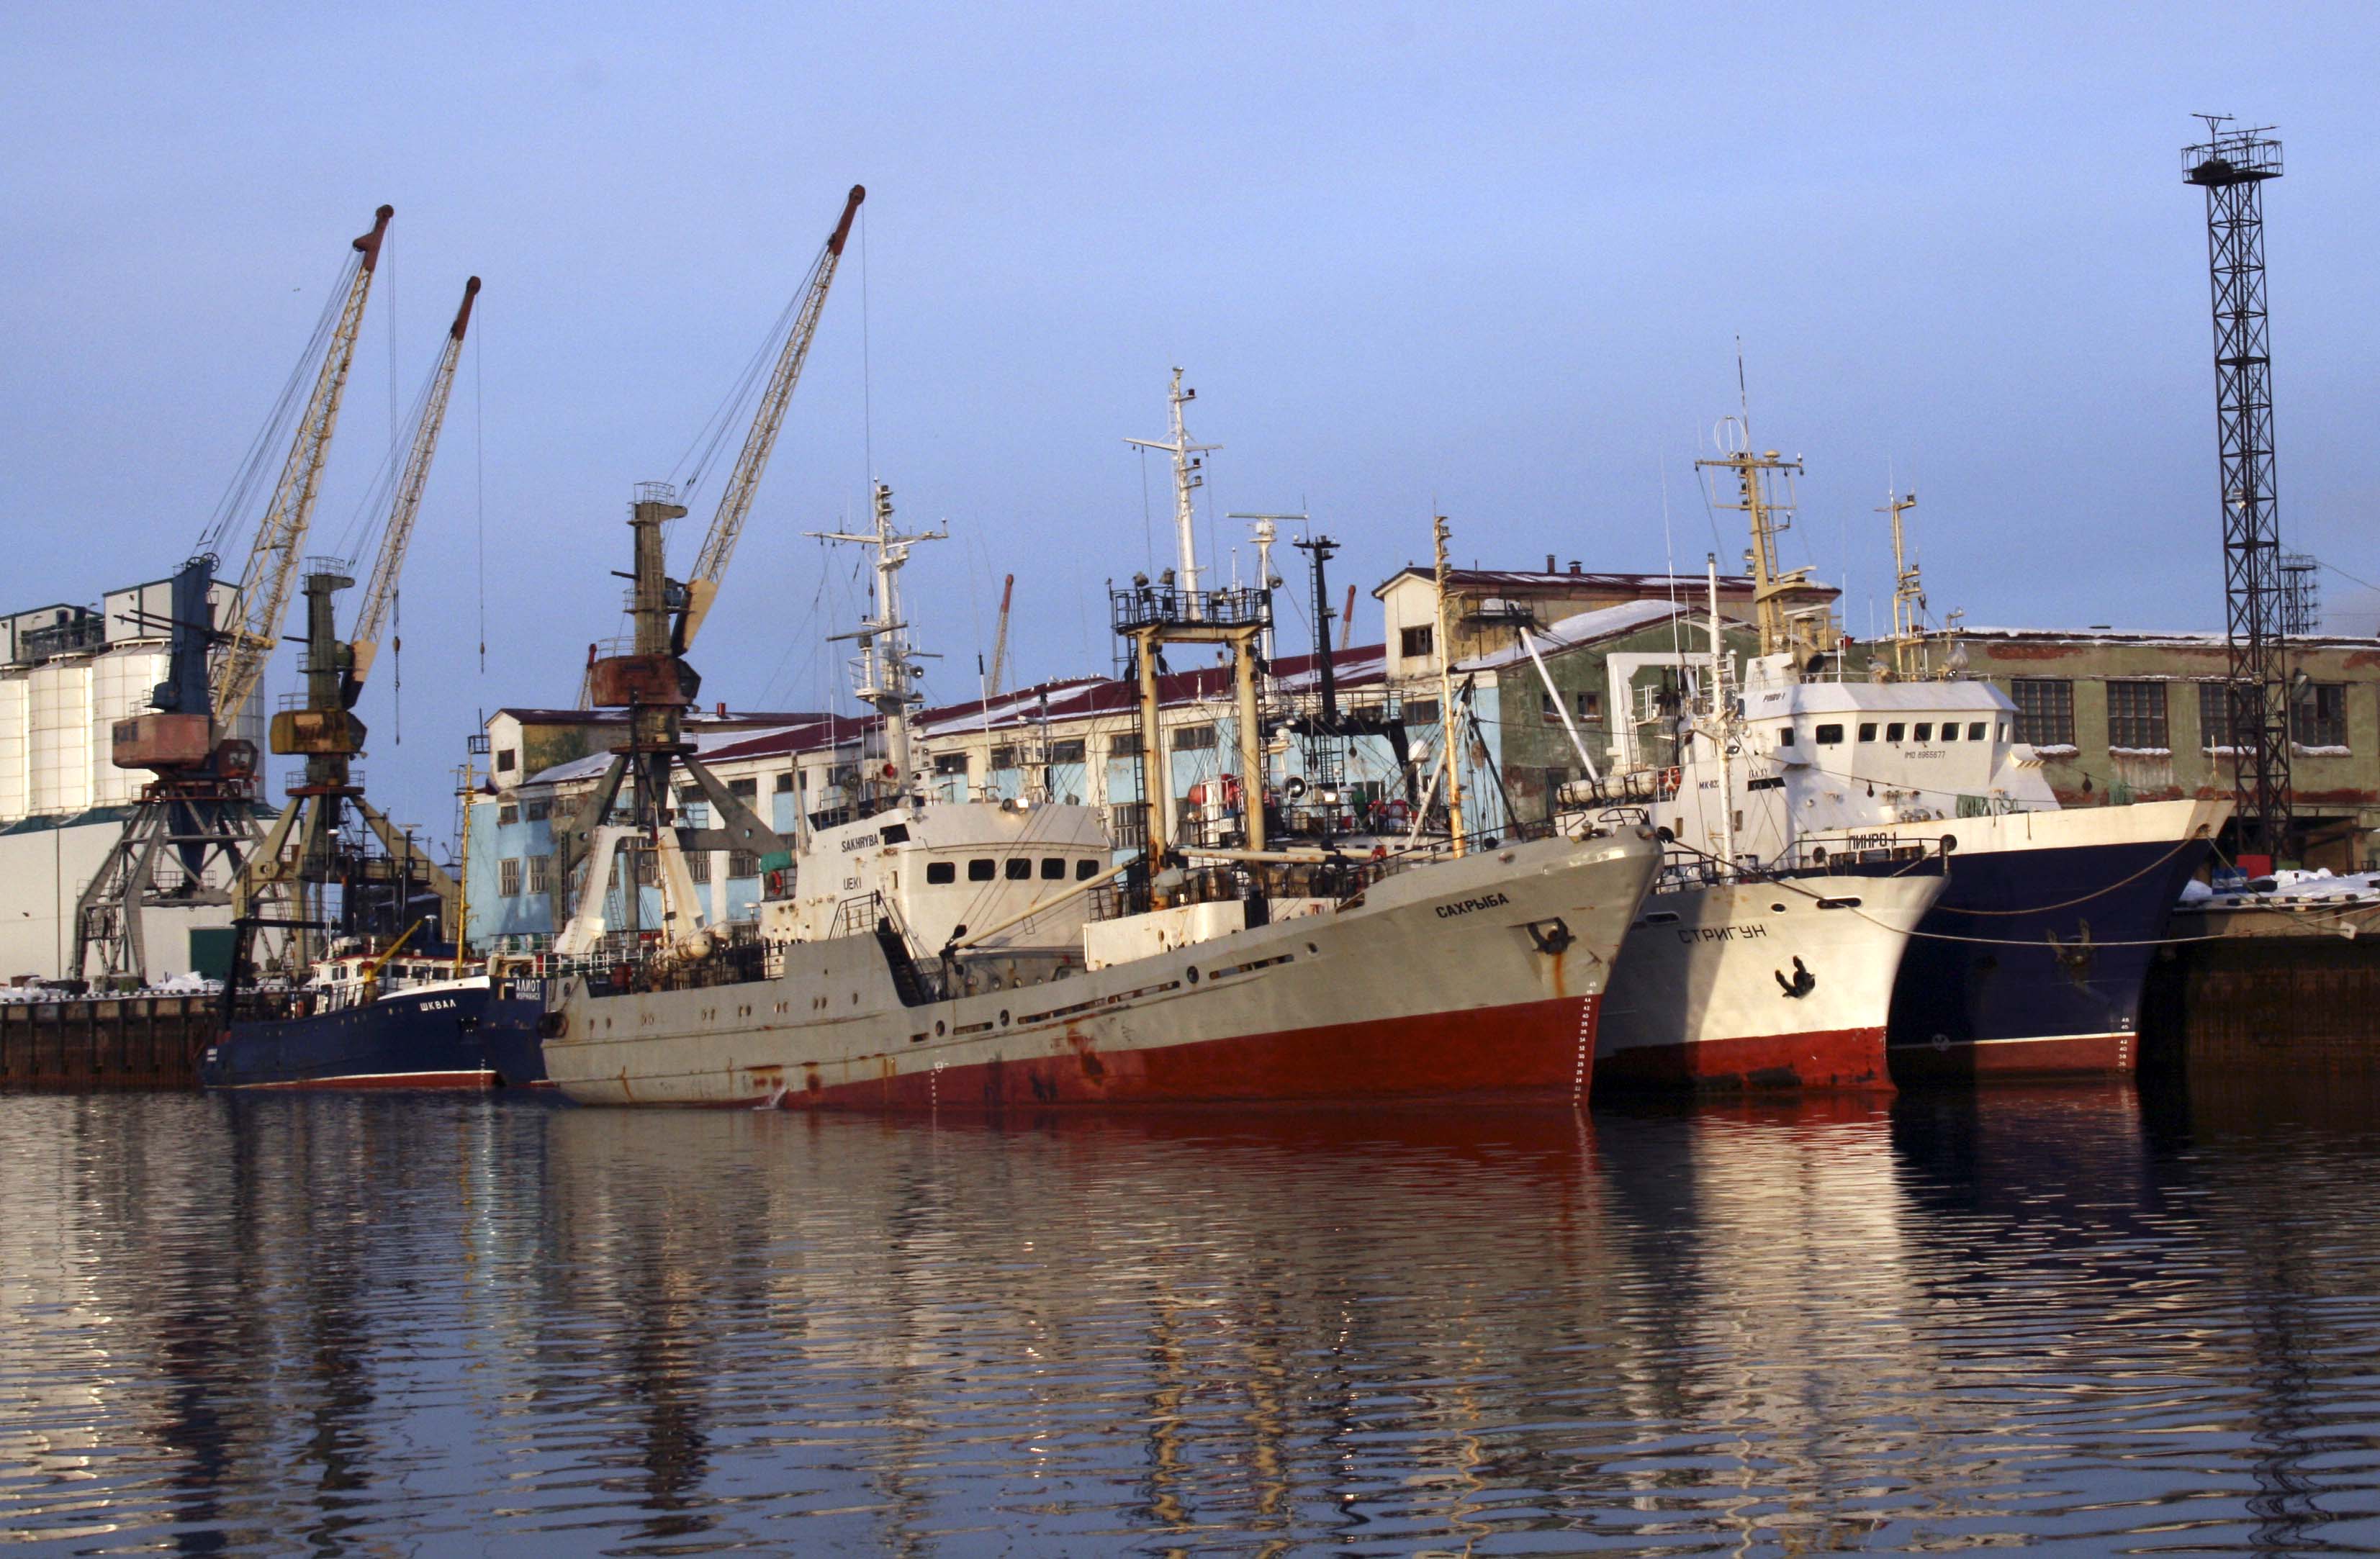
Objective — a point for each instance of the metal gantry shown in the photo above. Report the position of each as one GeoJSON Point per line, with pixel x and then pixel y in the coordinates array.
{"type": "Point", "coordinates": [2232, 165]}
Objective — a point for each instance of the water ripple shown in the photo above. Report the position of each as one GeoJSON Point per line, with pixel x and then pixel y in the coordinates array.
{"type": "Point", "coordinates": [2078, 1319]}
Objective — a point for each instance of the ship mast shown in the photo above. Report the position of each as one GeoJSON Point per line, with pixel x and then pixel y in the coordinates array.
{"type": "Point", "coordinates": [1723, 703]}
{"type": "Point", "coordinates": [1907, 592]}
{"type": "Point", "coordinates": [884, 674]}
{"type": "Point", "coordinates": [1438, 535]}
{"type": "Point", "coordinates": [1186, 481]}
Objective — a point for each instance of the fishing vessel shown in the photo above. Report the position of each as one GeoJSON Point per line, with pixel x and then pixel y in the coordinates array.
{"type": "Point", "coordinates": [937, 954]}
{"type": "Point", "coordinates": [375, 1020]}
{"type": "Point", "coordinates": [2032, 960]}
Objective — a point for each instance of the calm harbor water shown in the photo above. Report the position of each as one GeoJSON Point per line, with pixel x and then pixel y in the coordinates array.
{"type": "Point", "coordinates": [2083, 1319]}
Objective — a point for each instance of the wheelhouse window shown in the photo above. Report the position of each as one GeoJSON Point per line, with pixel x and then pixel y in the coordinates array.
{"type": "Point", "coordinates": [1895, 731]}
{"type": "Point", "coordinates": [2136, 714]}
{"type": "Point", "coordinates": [1086, 870]}
{"type": "Point", "coordinates": [1950, 731]}
{"type": "Point", "coordinates": [1977, 730]}
{"type": "Point", "coordinates": [2045, 710]}
{"type": "Point", "coordinates": [1785, 737]}
{"type": "Point", "coordinates": [1019, 869]}
{"type": "Point", "coordinates": [1867, 730]}
{"type": "Point", "coordinates": [980, 870]}
{"type": "Point", "coordinates": [1924, 731]}
{"type": "Point", "coordinates": [941, 872]}
{"type": "Point", "coordinates": [1830, 735]}
{"type": "Point", "coordinates": [1053, 868]}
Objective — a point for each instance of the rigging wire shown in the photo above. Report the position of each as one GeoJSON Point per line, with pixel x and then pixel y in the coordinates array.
{"type": "Point", "coordinates": [479, 462]}
{"type": "Point", "coordinates": [240, 492]}
{"type": "Point", "coordinates": [866, 376]}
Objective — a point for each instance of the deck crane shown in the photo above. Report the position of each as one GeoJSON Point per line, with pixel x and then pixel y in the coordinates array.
{"type": "Point", "coordinates": [1000, 640]}
{"type": "Point", "coordinates": [302, 849]}
{"type": "Point", "coordinates": [743, 481]}
{"type": "Point", "coordinates": [195, 824]}
{"type": "Point", "coordinates": [654, 682]}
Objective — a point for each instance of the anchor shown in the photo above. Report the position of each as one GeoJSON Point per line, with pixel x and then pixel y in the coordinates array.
{"type": "Point", "coordinates": [1801, 984]}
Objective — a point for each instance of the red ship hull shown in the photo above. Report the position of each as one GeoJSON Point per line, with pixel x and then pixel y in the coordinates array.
{"type": "Point", "coordinates": [1842, 1058]}
{"type": "Point", "coordinates": [1532, 1053]}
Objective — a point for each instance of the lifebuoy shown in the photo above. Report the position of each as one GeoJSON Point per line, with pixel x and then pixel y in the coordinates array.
{"type": "Point", "coordinates": [1397, 810]}
{"type": "Point", "coordinates": [1672, 779]}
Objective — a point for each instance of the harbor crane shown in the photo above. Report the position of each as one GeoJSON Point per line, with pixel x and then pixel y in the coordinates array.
{"type": "Point", "coordinates": [993, 683]}
{"type": "Point", "coordinates": [655, 684]}
{"type": "Point", "coordinates": [302, 849]}
{"type": "Point", "coordinates": [743, 482]}
{"type": "Point", "coordinates": [194, 826]}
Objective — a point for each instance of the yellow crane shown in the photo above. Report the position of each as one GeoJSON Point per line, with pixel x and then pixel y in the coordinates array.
{"type": "Point", "coordinates": [1000, 640]}
{"type": "Point", "coordinates": [301, 847]}
{"type": "Point", "coordinates": [653, 682]}
{"type": "Point", "coordinates": [194, 826]}
{"type": "Point", "coordinates": [743, 481]}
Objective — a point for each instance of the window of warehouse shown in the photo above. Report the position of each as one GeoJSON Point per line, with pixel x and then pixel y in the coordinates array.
{"type": "Point", "coordinates": [1548, 711]}
{"type": "Point", "coordinates": [1066, 752]}
{"type": "Point", "coordinates": [1193, 738]}
{"type": "Point", "coordinates": [2045, 710]}
{"type": "Point", "coordinates": [744, 790]}
{"type": "Point", "coordinates": [541, 874]}
{"type": "Point", "coordinates": [508, 876]}
{"type": "Point", "coordinates": [2217, 729]}
{"type": "Point", "coordinates": [537, 811]}
{"type": "Point", "coordinates": [743, 864]}
{"type": "Point", "coordinates": [1003, 757]}
{"type": "Point", "coordinates": [950, 763]}
{"type": "Point", "coordinates": [1421, 711]}
{"type": "Point", "coordinates": [1590, 707]}
{"type": "Point", "coordinates": [784, 784]}
{"type": "Point", "coordinates": [507, 761]}
{"type": "Point", "coordinates": [1125, 744]}
{"type": "Point", "coordinates": [2136, 714]}
{"type": "Point", "coordinates": [1412, 642]}
{"type": "Point", "coordinates": [2318, 716]}
{"type": "Point", "coordinates": [698, 865]}
{"type": "Point", "coordinates": [508, 812]}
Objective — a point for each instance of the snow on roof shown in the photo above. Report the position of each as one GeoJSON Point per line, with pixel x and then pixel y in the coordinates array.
{"type": "Point", "coordinates": [1585, 628]}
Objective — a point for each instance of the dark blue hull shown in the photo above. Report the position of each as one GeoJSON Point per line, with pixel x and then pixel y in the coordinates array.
{"type": "Point", "coordinates": [2031, 962]}
{"type": "Point", "coordinates": [412, 1039]}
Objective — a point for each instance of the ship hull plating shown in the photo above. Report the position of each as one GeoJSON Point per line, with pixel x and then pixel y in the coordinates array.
{"type": "Point", "coordinates": [1760, 985]}
{"type": "Point", "coordinates": [2031, 962]}
{"type": "Point", "coordinates": [1473, 981]}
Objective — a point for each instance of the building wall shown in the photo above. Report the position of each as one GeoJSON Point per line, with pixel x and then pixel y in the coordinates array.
{"type": "Point", "coordinates": [43, 871]}
{"type": "Point", "coordinates": [2338, 792]}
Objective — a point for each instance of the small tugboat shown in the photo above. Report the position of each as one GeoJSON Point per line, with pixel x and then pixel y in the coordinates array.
{"type": "Point", "coordinates": [365, 1020]}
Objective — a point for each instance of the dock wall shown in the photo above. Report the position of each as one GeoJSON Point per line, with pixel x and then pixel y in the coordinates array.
{"type": "Point", "coordinates": [126, 1041]}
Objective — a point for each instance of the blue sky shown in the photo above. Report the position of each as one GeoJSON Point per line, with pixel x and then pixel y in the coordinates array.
{"type": "Point", "coordinates": [1493, 263]}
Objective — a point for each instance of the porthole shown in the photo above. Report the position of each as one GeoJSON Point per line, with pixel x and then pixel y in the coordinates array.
{"type": "Point", "coordinates": [1312, 948]}
{"type": "Point", "coordinates": [939, 1030]}
{"type": "Point", "coordinates": [1194, 975]}
{"type": "Point", "coordinates": [1004, 1017]}
{"type": "Point", "coordinates": [1778, 909]}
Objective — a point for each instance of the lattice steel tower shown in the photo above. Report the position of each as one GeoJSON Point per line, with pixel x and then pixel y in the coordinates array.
{"type": "Point", "coordinates": [2231, 165]}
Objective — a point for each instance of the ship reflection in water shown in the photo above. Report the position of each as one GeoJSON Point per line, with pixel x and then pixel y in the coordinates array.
{"type": "Point", "coordinates": [2075, 1317]}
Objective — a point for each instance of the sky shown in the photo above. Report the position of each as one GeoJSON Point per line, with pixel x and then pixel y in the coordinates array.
{"type": "Point", "coordinates": [1494, 264]}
